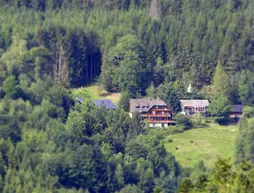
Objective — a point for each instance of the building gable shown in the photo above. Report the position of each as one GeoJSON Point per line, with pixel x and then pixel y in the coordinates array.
{"type": "Point", "coordinates": [194, 103]}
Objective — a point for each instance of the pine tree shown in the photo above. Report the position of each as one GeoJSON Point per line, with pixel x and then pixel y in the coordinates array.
{"type": "Point", "coordinates": [221, 82]}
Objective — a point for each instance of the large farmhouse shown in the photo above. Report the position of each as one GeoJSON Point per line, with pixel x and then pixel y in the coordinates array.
{"type": "Point", "coordinates": [155, 111]}
{"type": "Point", "coordinates": [191, 107]}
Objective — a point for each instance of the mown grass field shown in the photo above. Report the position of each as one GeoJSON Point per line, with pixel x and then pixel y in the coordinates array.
{"type": "Point", "coordinates": [207, 144]}
{"type": "Point", "coordinates": [96, 92]}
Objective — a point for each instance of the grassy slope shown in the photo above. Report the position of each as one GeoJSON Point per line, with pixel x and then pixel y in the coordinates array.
{"type": "Point", "coordinates": [96, 92]}
{"type": "Point", "coordinates": [208, 144]}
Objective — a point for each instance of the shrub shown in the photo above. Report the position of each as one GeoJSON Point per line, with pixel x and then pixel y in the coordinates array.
{"type": "Point", "coordinates": [184, 121]}
{"type": "Point", "coordinates": [176, 129]}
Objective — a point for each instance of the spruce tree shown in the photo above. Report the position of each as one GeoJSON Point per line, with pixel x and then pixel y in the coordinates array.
{"type": "Point", "coordinates": [221, 82]}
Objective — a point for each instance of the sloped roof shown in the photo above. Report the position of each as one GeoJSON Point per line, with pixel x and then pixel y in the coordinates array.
{"type": "Point", "coordinates": [144, 105]}
{"type": "Point", "coordinates": [106, 103]}
{"type": "Point", "coordinates": [195, 103]}
{"type": "Point", "coordinates": [236, 108]}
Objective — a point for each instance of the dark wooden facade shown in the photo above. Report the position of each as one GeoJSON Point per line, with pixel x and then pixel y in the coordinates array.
{"type": "Point", "coordinates": [155, 111]}
{"type": "Point", "coordinates": [158, 116]}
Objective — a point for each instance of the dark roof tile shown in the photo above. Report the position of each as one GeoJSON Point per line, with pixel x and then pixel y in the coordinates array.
{"type": "Point", "coordinates": [236, 108]}
{"type": "Point", "coordinates": [144, 105]}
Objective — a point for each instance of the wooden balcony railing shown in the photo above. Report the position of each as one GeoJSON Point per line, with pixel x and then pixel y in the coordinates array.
{"type": "Point", "coordinates": [155, 116]}
{"type": "Point", "coordinates": [161, 121]}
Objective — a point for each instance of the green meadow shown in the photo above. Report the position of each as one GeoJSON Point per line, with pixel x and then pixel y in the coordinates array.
{"type": "Point", "coordinates": [207, 144]}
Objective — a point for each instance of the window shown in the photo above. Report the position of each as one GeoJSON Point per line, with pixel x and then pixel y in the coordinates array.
{"type": "Point", "coordinates": [162, 112]}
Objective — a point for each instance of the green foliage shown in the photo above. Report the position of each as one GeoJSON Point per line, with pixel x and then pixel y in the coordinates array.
{"type": "Point", "coordinates": [127, 67]}
{"type": "Point", "coordinates": [130, 188]}
{"type": "Point", "coordinates": [125, 101]}
{"type": "Point", "coordinates": [95, 150]}
{"type": "Point", "coordinates": [245, 146]}
{"type": "Point", "coordinates": [224, 178]}
{"type": "Point", "coordinates": [151, 91]}
{"type": "Point", "coordinates": [221, 84]}
{"type": "Point", "coordinates": [48, 38]}
{"type": "Point", "coordinates": [185, 186]}
{"type": "Point", "coordinates": [184, 121]}
{"type": "Point", "coordinates": [136, 150]}
{"type": "Point", "coordinates": [10, 87]}
{"type": "Point", "coordinates": [50, 145]}
{"type": "Point", "coordinates": [245, 87]}
{"type": "Point", "coordinates": [219, 108]}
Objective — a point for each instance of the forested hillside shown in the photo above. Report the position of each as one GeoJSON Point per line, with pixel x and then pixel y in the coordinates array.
{"type": "Point", "coordinates": [48, 143]}
{"type": "Point", "coordinates": [183, 39]}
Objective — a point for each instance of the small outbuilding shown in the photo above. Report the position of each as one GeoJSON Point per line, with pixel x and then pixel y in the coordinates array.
{"type": "Point", "coordinates": [236, 111]}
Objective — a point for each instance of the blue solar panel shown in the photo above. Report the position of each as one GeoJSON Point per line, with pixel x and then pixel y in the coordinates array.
{"type": "Point", "coordinates": [79, 99]}
{"type": "Point", "coordinates": [106, 103]}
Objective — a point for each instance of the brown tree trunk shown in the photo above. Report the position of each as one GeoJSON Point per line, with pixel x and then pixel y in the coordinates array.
{"type": "Point", "coordinates": [154, 9]}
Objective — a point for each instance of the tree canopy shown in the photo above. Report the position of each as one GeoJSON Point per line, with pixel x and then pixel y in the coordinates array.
{"type": "Point", "coordinates": [48, 143]}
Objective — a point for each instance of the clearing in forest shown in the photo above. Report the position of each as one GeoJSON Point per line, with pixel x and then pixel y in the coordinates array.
{"type": "Point", "coordinates": [96, 92]}
{"type": "Point", "coordinates": [207, 144]}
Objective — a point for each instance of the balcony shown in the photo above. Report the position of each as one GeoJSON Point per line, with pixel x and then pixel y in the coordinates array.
{"type": "Point", "coordinates": [161, 109]}
{"type": "Point", "coordinates": [161, 121]}
{"type": "Point", "coordinates": [158, 115]}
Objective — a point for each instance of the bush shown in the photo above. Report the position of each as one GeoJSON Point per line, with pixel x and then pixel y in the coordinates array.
{"type": "Point", "coordinates": [219, 109]}
{"type": "Point", "coordinates": [184, 121]}
{"type": "Point", "coordinates": [170, 140]}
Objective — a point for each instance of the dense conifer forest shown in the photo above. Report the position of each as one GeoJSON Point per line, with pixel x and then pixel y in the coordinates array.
{"type": "Point", "coordinates": [51, 144]}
